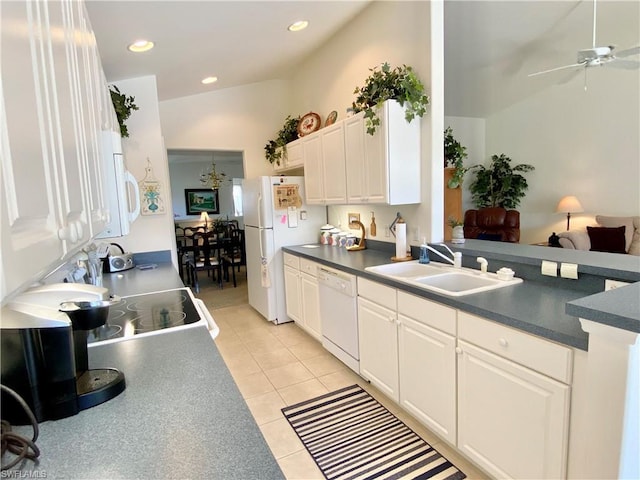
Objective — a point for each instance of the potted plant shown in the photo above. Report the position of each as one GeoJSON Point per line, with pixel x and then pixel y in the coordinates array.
{"type": "Point", "coordinates": [400, 84]}
{"type": "Point", "coordinates": [457, 235]}
{"type": "Point", "coordinates": [500, 184]}
{"type": "Point", "coordinates": [276, 150]}
{"type": "Point", "coordinates": [454, 155]}
{"type": "Point", "coordinates": [123, 106]}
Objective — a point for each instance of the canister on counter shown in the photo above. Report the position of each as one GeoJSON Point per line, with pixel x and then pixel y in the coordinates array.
{"type": "Point", "coordinates": [333, 237]}
{"type": "Point", "coordinates": [351, 240]}
{"type": "Point", "coordinates": [342, 239]}
{"type": "Point", "coordinates": [325, 233]}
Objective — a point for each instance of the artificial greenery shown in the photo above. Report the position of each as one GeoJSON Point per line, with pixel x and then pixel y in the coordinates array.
{"type": "Point", "coordinates": [218, 225]}
{"type": "Point", "coordinates": [499, 185]}
{"type": "Point", "coordinates": [454, 222]}
{"type": "Point", "coordinates": [124, 106]}
{"type": "Point", "coordinates": [384, 83]}
{"type": "Point", "coordinates": [276, 149]}
{"type": "Point", "coordinates": [454, 155]}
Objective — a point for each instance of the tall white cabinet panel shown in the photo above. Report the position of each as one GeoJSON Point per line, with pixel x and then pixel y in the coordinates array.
{"type": "Point", "coordinates": [333, 160]}
{"type": "Point", "coordinates": [53, 199]}
{"type": "Point", "coordinates": [512, 421]}
{"type": "Point", "coordinates": [31, 218]}
{"type": "Point", "coordinates": [378, 343]}
{"type": "Point", "coordinates": [293, 299]}
{"type": "Point", "coordinates": [311, 304]}
{"type": "Point", "coordinates": [313, 170]}
{"type": "Point", "coordinates": [427, 362]}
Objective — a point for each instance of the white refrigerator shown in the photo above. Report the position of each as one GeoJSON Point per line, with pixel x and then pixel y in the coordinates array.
{"type": "Point", "coordinates": [275, 216]}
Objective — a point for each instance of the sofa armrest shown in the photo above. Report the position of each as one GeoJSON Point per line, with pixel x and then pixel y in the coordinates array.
{"type": "Point", "coordinates": [576, 239]}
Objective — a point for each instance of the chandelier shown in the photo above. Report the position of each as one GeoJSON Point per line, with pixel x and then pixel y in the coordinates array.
{"type": "Point", "coordinates": [212, 179]}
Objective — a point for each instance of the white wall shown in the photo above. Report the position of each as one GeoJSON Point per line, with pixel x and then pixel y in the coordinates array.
{"type": "Point", "coordinates": [149, 232]}
{"type": "Point", "coordinates": [581, 143]}
{"type": "Point", "coordinates": [241, 119]}
{"type": "Point", "coordinates": [397, 33]}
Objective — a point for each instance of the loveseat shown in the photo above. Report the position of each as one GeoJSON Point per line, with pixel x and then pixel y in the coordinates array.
{"type": "Point", "coordinates": [610, 234]}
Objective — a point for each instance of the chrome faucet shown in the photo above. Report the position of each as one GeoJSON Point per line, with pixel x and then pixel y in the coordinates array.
{"type": "Point", "coordinates": [456, 259]}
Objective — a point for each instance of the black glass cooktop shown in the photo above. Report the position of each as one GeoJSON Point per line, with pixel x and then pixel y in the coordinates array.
{"type": "Point", "coordinates": [146, 313]}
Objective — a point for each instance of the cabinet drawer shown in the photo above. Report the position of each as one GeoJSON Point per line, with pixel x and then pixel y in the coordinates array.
{"type": "Point", "coordinates": [292, 261]}
{"type": "Point", "coordinates": [427, 312]}
{"type": "Point", "coordinates": [309, 267]}
{"type": "Point", "coordinates": [378, 293]}
{"type": "Point", "coordinates": [541, 355]}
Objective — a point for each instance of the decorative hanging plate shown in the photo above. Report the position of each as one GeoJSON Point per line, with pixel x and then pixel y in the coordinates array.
{"type": "Point", "coordinates": [331, 118]}
{"type": "Point", "coordinates": [309, 124]}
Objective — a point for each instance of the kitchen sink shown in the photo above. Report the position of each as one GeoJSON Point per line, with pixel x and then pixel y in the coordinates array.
{"type": "Point", "coordinates": [442, 279]}
{"type": "Point", "coordinates": [407, 269]}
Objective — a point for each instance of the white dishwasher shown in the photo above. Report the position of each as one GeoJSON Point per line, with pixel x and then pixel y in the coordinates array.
{"type": "Point", "coordinates": [339, 315]}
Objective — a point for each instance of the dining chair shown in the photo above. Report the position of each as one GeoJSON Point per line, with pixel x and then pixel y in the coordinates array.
{"type": "Point", "coordinates": [234, 254]}
{"type": "Point", "coordinates": [206, 257]}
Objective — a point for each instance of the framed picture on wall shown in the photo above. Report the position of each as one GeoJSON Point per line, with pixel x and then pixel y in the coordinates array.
{"type": "Point", "coordinates": [200, 200]}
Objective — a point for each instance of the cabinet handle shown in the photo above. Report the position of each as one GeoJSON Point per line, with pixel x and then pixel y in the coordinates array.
{"type": "Point", "coordinates": [459, 350]}
{"type": "Point", "coordinates": [503, 342]}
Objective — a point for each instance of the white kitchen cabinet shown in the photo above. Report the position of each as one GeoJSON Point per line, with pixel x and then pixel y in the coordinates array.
{"type": "Point", "coordinates": [324, 166]}
{"type": "Point", "coordinates": [383, 168]}
{"type": "Point", "coordinates": [427, 363]}
{"type": "Point", "coordinates": [293, 158]}
{"type": "Point", "coordinates": [301, 294]}
{"type": "Point", "coordinates": [378, 336]}
{"type": "Point", "coordinates": [512, 420]}
{"type": "Point", "coordinates": [53, 200]}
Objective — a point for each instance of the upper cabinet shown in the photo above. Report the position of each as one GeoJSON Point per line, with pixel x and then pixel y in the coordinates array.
{"type": "Point", "coordinates": [384, 167]}
{"type": "Point", "coordinates": [51, 114]}
{"type": "Point", "coordinates": [343, 164]}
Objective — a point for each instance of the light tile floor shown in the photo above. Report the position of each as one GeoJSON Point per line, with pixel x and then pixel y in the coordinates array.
{"type": "Point", "coordinates": [279, 365]}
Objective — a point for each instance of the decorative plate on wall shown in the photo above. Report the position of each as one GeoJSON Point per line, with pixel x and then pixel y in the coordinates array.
{"type": "Point", "coordinates": [309, 123]}
{"type": "Point", "coordinates": [331, 118]}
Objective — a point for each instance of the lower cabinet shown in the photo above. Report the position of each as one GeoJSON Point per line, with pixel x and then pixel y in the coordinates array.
{"type": "Point", "coordinates": [301, 293]}
{"type": "Point", "coordinates": [427, 363]}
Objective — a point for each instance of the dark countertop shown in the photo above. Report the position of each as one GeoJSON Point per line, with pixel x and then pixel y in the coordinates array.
{"type": "Point", "coordinates": [533, 307]}
{"type": "Point", "coordinates": [618, 308]}
{"type": "Point", "coordinates": [181, 415]}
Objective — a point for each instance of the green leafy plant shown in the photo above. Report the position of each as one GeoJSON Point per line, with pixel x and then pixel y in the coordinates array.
{"type": "Point", "coordinates": [276, 150]}
{"type": "Point", "coordinates": [500, 184]}
{"type": "Point", "coordinates": [454, 155]}
{"type": "Point", "coordinates": [454, 222]}
{"type": "Point", "coordinates": [123, 106]}
{"type": "Point", "coordinates": [400, 84]}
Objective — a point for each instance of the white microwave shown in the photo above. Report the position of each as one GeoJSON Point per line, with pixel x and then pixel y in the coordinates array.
{"type": "Point", "coordinates": [121, 187]}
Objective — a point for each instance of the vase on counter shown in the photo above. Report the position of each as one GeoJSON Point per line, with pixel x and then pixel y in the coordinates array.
{"type": "Point", "coordinates": [457, 234]}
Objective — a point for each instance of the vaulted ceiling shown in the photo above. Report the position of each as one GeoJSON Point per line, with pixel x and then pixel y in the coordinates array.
{"type": "Point", "coordinates": [490, 46]}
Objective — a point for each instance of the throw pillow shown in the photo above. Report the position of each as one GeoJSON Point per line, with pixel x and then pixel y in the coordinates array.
{"type": "Point", "coordinates": [604, 221]}
{"type": "Point", "coordinates": [605, 239]}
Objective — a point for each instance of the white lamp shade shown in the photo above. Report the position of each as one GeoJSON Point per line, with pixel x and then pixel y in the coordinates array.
{"type": "Point", "coordinates": [204, 216]}
{"type": "Point", "coordinates": [569, 204]}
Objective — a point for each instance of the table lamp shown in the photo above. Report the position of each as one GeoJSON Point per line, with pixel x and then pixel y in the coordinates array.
{"type": "Point", "coordinates": [569, 205]}
{"type": "Point", "coordinates": [204, 217]}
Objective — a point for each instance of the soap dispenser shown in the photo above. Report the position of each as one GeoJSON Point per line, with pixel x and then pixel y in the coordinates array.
{"type": "Point", "coordinates": [424, 252]}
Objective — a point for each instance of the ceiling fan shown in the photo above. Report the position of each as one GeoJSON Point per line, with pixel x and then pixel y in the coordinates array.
{"type": "Point", "coordinates": [599, 56]}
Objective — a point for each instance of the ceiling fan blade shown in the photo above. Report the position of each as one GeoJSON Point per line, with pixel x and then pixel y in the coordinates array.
{"type": "Point", "coordinates": [628, 52]}
{"type": "Point", "coordinates": [565, 67]}
{"type": "Point", "coordinates": [626, 64]}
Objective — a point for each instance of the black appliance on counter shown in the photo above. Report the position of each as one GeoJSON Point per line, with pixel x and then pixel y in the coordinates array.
{"type": "Point", "coordinates": [44, 352]}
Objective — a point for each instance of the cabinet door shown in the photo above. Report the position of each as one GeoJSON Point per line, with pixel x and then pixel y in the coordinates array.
{"type": "Point", "coordinates": [375, 171]}
{"type": "Point", "coordinates": [311, 305]}
{"type": "Point", "coordinates": [293, 299]}
{"type": "Point", "coordinates": [378, 343]}
{"type": "Point", "coordinates": [354, 132]}
{"type": "Point", "coordinates": [427, 366]}
{"type": "Point", "coordinates": [333, 160]}
{"type": "Point", "coordinates": [31, 220]}
{"type": "Point", "coordinates": [313, 177]}
{"type": "Point", "coordinates": [512, 421]}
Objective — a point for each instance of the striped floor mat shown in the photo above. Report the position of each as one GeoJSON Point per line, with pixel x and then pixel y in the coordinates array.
{"type": "Point", "coordinates": [353, 437]}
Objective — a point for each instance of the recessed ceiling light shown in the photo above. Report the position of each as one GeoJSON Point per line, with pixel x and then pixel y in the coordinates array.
{"type": "Point", "coordinates": [297, 26]}
{"type": "Point", "coordinates": [209, 80]}
{"type": "Point", "coordinates": [140, 46]}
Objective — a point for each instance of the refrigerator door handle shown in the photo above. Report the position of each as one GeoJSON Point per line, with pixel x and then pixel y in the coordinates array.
{"type": "Point", "coordinates": [259, 207]}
